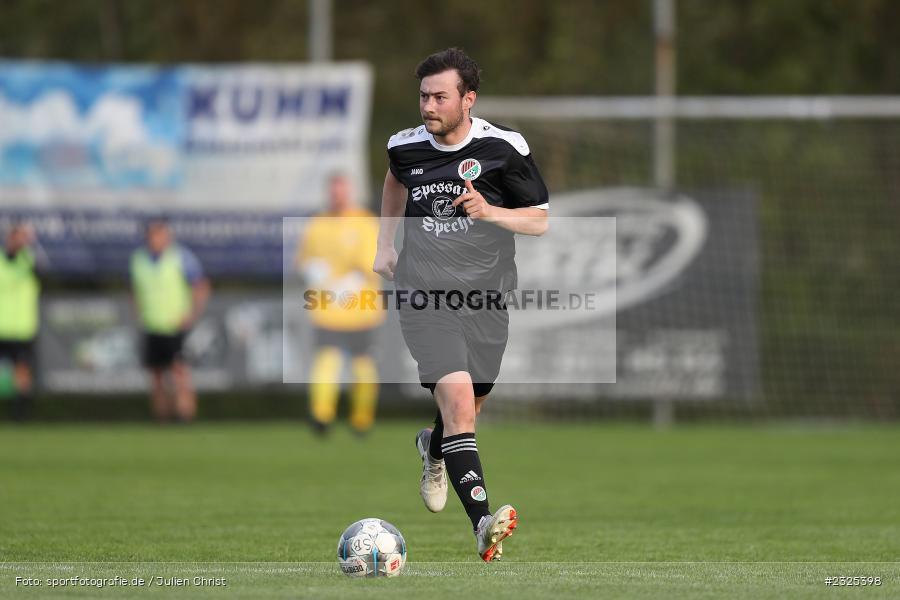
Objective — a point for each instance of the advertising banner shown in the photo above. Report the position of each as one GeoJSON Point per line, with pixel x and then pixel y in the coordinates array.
{"type": "Point", "coordinates": [672, 284]}
{"type": "Point", "coordinates": [91, 344]}
{"type": "Point", "coordinates": [684, 298]}
{"type": "Point", "coordinates": [88, 152]}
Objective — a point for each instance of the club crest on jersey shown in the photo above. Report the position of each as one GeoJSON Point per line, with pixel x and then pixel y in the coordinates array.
{"type": "Point", "coordinates": [469, 169]}
{"type": "Point", "coordinates": [443, 208]}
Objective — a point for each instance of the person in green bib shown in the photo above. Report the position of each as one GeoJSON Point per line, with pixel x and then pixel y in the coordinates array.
{"type": "Point", "coordinates": [19, 314]}
{"type": "Point", "coordinates": [170, 293]}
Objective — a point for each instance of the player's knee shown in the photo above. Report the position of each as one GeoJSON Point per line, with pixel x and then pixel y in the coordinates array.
{"type": "Point", "coordinates": [181, 374]}
{"type": "Point", "coordinates": [458, 411]}
{"type": "Point", "coordinates": [364, 369]}
{"type": "Point", "coordinates": [460, 423]}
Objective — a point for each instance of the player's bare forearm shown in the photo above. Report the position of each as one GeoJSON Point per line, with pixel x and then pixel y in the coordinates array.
{"type": "Point", "coordinates": [393, 206]}
{"type": "Point", "coordinates": [527, 221]}
{"type": "Point", "coordinates": [200, 293]}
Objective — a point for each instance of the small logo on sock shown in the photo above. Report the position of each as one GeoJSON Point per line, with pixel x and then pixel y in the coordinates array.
{"type": "Point", "coordinates": [470, 476]}
{"type": "Point", "coordinates": [478, 493]}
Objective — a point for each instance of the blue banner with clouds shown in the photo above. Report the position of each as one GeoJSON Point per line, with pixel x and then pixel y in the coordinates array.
{"type": "Point", "coordinates": [65, 126]}
{"type": "Point", "coordinates": [88, 152]}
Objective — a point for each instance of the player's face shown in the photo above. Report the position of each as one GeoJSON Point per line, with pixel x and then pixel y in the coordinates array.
{"type": "Point", "coordinates": [443, 109]}
{"type": "Point", "coordinates": [19, 237]}
{"type": "Point", "coordinates": [158, 238]}
{"type": "Point", "coordinates": [339, 194]}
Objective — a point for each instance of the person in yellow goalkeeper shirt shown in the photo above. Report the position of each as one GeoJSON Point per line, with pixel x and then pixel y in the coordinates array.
{"type": "Point", "coordinates": [335, 258]}
{"type": "Point", "coordinates": [19, 314]}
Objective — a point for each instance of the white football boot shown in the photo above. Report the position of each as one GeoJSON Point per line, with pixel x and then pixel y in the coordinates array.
{"type": "Point", "coordinates": [493, 529]}
{"type": "Point", "coordinates": [433, 487]}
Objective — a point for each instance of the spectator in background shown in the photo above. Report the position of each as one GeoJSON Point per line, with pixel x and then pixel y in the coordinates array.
{"type": "Point", "coordinates": [335, 258]}
{"type": "Point", "coordinates": [19, 314]}
{"type": "Point", "coordinates": [170, 293]}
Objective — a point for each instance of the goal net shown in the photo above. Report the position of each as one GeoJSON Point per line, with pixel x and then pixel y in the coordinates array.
{"type": "Point", "coordinates": [786, 304]}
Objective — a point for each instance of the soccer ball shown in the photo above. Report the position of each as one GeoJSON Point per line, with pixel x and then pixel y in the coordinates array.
{"type": "Point", "coordinates": [371, 548]}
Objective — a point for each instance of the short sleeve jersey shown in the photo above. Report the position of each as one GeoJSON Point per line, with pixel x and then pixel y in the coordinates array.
{"type": "Point", "coordinates": [444, 248]}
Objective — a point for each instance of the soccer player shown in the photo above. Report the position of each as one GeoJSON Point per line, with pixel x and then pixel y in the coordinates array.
{"type": "Point", "coordinates": [170, 293]}
{"type": "Point", "coordinates": [335, 256]}
{"type": "Point", "coordinates": [465, 187]}
{"type": "Point", "coordinates": [19, 313]}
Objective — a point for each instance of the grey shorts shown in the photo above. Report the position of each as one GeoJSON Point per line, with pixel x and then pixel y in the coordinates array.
{"type": "Point", "coordinates": [444, 341]}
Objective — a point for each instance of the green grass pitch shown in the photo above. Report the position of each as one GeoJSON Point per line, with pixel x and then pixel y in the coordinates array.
{"type": "Point", "coordinates": [606, 511]}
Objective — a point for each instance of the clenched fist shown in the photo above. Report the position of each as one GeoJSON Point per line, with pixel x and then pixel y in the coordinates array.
{"type": "Point", "coordinates": [385, 262]}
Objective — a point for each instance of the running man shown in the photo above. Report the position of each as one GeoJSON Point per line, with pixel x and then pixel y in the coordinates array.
{"type": "Point", "coordinates": [465, 187]}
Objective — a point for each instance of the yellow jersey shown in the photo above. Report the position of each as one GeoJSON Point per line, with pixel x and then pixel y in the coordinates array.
{"type": "Point", "coordinates": [336, 256]}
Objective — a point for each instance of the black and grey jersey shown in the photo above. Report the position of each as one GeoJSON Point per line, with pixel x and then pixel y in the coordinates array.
{"type": "Point", "coordinates": [443, 248]}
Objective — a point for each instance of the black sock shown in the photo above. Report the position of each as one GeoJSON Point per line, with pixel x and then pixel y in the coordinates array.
{"type": "Point", "coordinates": [437, 436]}
{"type": "Point", "coordinates": [464, 472]}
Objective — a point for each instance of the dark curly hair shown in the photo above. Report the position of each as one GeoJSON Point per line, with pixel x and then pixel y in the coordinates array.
{"type": "Point", "coordinates": [456, 59]}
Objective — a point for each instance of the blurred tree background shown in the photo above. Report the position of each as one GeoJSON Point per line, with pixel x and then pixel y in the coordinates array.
{"type": "Point", "coordinates": [533, 47]}
{"type": "Point", "coordinates": [828, 191]}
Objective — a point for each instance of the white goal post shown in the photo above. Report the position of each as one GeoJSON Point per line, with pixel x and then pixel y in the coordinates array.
{"type": "Point", "coordinates": [689, 107]}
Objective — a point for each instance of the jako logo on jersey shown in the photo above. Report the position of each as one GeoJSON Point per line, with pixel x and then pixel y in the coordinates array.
{"type": "Point", "coordinates": [416, 171]}
{"type": "Point", "coordinates": [478, 493]}
{"type": "Point", "coordinates": [469, 169]}
{"type": "Point", "coordinates": [441, 187]}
